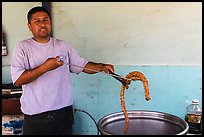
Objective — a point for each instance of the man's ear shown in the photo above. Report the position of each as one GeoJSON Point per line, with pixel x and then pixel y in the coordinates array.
{"type": "Point", "coordinates": [29, 26]}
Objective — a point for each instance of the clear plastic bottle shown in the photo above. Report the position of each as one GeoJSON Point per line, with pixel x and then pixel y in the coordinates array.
{"type": "Point", "coordinates": [194, 117]}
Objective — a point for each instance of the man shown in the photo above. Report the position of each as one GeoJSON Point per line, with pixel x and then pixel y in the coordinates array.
{"type": "Point", "coordinates": [47, 97]}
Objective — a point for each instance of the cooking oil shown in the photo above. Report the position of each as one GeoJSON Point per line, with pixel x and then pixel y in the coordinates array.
{"type": "Point", "coordinates": [194, 117]}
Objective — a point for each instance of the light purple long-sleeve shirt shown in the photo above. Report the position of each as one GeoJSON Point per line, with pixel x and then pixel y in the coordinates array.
{"type": "Point", "coordinates": [51, 90]}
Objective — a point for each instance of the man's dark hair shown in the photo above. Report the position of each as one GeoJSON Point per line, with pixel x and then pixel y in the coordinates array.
{"type": "Point", "coordinates": [36, 9]}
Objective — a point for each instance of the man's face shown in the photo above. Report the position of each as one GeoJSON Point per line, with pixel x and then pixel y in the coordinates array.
{"type": "Point", "coordinates": [40, 25]}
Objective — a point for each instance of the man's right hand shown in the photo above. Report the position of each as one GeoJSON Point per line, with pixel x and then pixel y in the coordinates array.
{"type": "Point", "coordinates": [30, 75]}
{"type": "Point", "coordinates": [52, 63]}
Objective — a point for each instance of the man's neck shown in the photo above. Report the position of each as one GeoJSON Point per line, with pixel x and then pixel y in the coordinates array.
{"type": "Point", "coordinates": [41, 40]}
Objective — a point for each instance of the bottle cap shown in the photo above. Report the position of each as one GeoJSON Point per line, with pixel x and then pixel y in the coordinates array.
{"type": "Point", "coordinates": [62, 58]}
{"type": "Point", "coordinates": [195, 101]}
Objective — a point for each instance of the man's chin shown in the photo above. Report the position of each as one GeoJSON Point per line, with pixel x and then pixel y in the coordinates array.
{"type": "Point", "coordinates": [44, 36]}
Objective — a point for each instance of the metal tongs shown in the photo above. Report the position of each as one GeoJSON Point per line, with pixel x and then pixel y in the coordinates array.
{"type": "Point", "coordinates": [124, 81]}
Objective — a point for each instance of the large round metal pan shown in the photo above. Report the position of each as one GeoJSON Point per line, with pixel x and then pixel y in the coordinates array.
{"type": "Point", "coordinates": [143, 122]}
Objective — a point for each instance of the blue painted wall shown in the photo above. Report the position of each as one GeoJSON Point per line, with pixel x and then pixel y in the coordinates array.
{"type": "Point", "coordinates": [171, 90]}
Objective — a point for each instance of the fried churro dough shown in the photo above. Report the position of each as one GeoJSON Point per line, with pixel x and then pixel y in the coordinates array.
{"type": "Point", "coordinates": [135, 75]}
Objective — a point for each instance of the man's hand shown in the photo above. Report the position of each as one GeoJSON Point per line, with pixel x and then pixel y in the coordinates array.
{"type": "Point", "coordinates": [30, 75]}
{"type": "Point", "coordinates": [98, 67]}
{"type": "Point", "coordinates": [52, 63]}
{"type": "Point", "coordinates": [107, 68]}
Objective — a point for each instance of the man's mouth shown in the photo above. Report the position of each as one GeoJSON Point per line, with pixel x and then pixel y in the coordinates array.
{"type": "Point", "coordinates": [43, 29]}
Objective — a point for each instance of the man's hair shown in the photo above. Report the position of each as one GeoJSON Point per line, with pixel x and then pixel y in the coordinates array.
{"type": "Point", "coordinates": [36, 9]}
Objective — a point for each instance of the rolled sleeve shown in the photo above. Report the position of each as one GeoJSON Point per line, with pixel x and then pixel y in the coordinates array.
{"type": "Point", "coordinates": [16, 73]}
{"type": "Point", "coordinates": [17, 64]}
{"type": "Point", "coordinates": [77, 63]}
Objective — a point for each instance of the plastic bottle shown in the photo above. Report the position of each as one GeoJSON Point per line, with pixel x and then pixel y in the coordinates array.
{"type": "Point", "coordinates": [62, 58]}
{"type": "Point", "coordinates": [194, 117]}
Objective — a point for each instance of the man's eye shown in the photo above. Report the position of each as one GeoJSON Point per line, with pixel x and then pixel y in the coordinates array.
{"type": "Point", "coordinates": [46, 20]}
{"type": "Point", "coordinates": [37, 21]}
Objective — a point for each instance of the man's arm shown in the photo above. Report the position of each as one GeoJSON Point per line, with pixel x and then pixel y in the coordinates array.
{"type": "Point", "coordinates": [98, 67]}
{"type": "Point", "coordinates": [30, 75]}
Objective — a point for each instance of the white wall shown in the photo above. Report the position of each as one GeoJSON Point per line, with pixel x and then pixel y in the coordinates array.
{"type": "Point", "coordinates": [132, 33]}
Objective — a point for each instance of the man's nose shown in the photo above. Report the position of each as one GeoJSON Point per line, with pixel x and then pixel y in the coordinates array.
{"type": "Point", "coordinates": [42, 23]}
